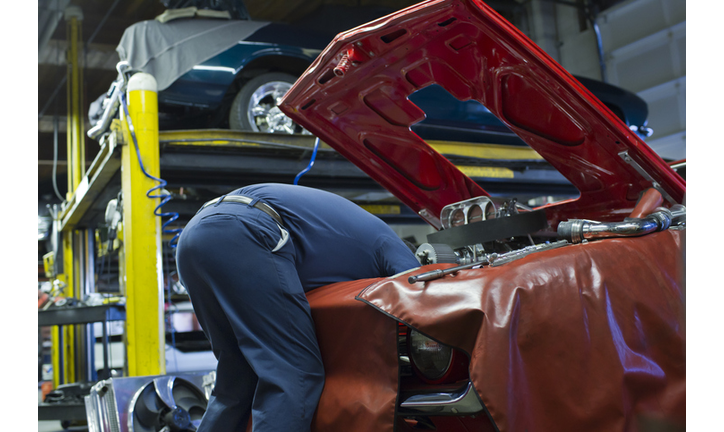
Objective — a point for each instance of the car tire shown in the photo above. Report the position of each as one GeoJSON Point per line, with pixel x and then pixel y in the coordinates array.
{"type": "Point", "coordinates": [255, 107]}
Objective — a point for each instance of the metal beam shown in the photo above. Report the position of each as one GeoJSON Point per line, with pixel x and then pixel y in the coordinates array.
{"type": "Point", "coordinates": [45, 124]}
{"type": "Point", "coordinates": [50, 12]}
{"type": "Point", "coordinates": [95, 56]}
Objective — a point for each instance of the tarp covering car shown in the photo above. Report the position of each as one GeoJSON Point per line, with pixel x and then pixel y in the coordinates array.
{"type": "Point", "coordinates": [169, 50]}
{"type": "Point", "coordinates": [588, 337]}
{"type": "Point", "coordinates": [359, 351]}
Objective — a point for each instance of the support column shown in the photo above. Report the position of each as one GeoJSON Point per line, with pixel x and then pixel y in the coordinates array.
{"type": "Point", "coordinates": [68, 337]}
{"type": "Point", "coordinates": [75, 129]}
{"type": "Point", "coordinates": [145, 341]}
{"type": "Point", "coordinates": [63, 340]}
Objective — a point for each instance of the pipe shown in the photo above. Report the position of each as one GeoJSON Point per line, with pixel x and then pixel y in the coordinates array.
{"type": "Point", "coordinates": [599, 45]}
{"type": "Point", "coordinates": [648, 203]}
{"type": "Point", "coordinates": [578, 230]}
{"type": "Point", "coordinates": [437, 274]}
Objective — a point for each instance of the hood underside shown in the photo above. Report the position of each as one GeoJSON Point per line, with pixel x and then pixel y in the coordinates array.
{"type": "Point", "coordinates": [355, 98]}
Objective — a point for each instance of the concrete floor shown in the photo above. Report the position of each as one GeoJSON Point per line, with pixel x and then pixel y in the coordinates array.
{"type": "Point", "coordinates": [54, 426]}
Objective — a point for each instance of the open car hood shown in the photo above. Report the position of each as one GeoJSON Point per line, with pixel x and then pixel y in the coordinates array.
{"type": "Point", "coordinates": [355, 98]}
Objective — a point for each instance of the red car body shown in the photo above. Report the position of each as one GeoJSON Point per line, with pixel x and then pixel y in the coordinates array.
{"type": "Point", "coordinates": [587, 336]}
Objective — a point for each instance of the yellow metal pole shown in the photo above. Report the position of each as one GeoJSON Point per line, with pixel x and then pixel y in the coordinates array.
{"type": "Point", "coordinates": [68, 331]}
{"type": "Point", "coordinates": [145, 342]}
{"type": "Point", "coordinates": [75, 134]}
{"type": "Point", "coordinates": [68, 347]}
{"type": "Point", "coordinates": [55, 354]}
{"type": "Point", "coordinates": [76, 169]}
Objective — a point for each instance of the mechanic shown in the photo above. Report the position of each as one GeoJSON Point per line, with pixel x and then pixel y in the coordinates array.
{"type": "Point", "coordinates": [247, 259]}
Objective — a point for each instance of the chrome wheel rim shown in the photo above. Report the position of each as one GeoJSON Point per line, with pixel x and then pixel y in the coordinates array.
{"type": "Point", "coordinates": [263, 111]}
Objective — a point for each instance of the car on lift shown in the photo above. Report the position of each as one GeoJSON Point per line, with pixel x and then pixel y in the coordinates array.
{"type": "Point", "coordinates": [567, 316]}
{"type": "Point", "coordinates": [219, 73]}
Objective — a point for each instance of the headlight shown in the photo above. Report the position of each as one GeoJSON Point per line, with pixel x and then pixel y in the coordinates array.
{"type": "Point", "coordinates": [430, 358]}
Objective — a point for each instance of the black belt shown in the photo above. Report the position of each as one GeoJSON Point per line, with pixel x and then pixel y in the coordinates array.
{"type": "Point", "coordinates": [514, 225]}
{"type": "Point", "coordinates": [246, 200]}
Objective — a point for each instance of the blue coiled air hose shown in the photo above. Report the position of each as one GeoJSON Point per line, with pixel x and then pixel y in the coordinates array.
{"type": "Point", "coordinates": [165, 197]}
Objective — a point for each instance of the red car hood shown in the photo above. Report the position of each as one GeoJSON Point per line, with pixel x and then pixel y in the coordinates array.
{"type": "Point", "coordinates": [361, 109]}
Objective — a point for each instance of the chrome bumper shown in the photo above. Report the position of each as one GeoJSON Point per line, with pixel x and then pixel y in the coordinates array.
{"type": "Point", "coordinates": [462, 401]}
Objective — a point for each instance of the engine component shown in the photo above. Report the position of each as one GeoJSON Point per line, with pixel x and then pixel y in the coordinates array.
{"type": "Point", "coordinates": [437, 274]}
{"type": "Point", "coordinates": [578, 230]}
{"type": "Point", "coordinates": [467, 212]}
{"type": "Point", "coordinates": [147, 404]}
{"type": "Point", "coordinates": [520, 224]}
{"type": "Point", "coordinates": [493, 259]}
{"type": "Point", "coordinates": [505, 258]}
{"type": "Point", "coordinates": [436, 253]}
{"type": "Point", "coordinates": [648, 203]}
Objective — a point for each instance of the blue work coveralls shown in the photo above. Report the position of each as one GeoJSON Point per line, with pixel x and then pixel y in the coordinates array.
{"type": "Point", "coordinates": [247, 277]}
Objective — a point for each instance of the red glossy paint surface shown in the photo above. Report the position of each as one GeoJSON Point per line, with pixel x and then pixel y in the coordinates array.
{"type": "Point", "coordinates": [465, 47]}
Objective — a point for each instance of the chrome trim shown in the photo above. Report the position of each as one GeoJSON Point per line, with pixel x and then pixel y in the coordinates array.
{"type": "Point", "coordinates": [463, 401]}
{"type": "Point", "coordinates": [447, 212]}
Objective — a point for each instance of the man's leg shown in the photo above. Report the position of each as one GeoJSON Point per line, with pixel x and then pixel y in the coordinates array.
{"type": "Point", "coordinates": [229, 407]}
{"type": "Point", "coordinates": [264, 302]}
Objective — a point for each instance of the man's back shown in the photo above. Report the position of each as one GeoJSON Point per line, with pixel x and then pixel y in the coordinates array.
{"type": "Point", "coordinates": [335, 239]}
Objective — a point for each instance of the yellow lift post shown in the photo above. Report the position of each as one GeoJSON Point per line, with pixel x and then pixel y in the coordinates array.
{"type": "Point", "coordinates": [141, 267]}
{"type": "Point", "coordinates": [141, 275]}
{"type": "Point", "coordinates": [76, 167]}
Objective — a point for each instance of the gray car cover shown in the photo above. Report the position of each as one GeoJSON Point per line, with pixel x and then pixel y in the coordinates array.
{"type": "Point", "coordinates": [169, 50]}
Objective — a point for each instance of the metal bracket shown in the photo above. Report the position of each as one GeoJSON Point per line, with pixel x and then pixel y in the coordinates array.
{"type": "Point", "coordinates": [116, 135]}
{"type": "Point", "coordinates": [629, 160]}
{"type": "Point", "coordinates": [429, 218]}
